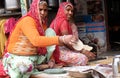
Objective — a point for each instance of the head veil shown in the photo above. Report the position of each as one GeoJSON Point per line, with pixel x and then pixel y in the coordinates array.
{"type": "Point", "coordinates": [61, 16]}
{"type": "Point", "coordinates": [61, 13]}
{"type": "Point", "coordinates": [34, 13]}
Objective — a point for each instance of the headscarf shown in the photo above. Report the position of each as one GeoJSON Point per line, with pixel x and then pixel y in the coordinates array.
{"type": "Point", "coordinates": [61, 16]}
{"type": "Point", "coordinates": [9, 25]}
{"type": "Point", "coordinates": [34, 13]}
{"type": "Point", "coordinates": [61, 13]}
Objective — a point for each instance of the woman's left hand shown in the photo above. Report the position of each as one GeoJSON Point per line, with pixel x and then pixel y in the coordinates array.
{"type": "Point", "coordinates": [51, 63]}
{"type": "Point", "coordinates": [89, 54]}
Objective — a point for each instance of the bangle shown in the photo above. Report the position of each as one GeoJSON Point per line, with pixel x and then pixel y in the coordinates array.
{"type": "Point", "coordinates": [63, 39]}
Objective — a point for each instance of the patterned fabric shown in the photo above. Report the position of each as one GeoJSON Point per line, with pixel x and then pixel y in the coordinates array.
{"type": "Point", "coordinates": [2, 72]}
{"type": "Point", "coordinates": [63, 54]}
{"type": "Point", "coordinates": [72, 58]}
{"type": "Point", "coordinates": [24, 45]}
{"type": "Point", "coordinates": [17, 66]}
{"type": "Point", "coordinates": [9, 25]}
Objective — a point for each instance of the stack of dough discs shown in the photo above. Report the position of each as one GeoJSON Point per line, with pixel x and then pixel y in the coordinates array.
{"type": "Point", "coordinates": [79, 46]}
{"type": "Point", "coordinates": [87, 47]}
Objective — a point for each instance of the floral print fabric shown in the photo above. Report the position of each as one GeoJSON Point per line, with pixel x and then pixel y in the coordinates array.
{"type": "Point", "coordinates": [18, 65]}
{"type": "Point", "coordinates": [72, 58]}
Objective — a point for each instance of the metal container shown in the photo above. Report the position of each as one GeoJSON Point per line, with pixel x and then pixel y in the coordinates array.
{"type": "Point", "coordinates": [116, 66]}
{"type": "Point", "coordinates": [12, 4]}
{"type": "Point", "coordinates": [53, 3]}
{"type": "Point", "coordinates": [2, 10]}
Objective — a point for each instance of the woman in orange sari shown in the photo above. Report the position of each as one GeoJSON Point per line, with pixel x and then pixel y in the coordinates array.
{"type": "Point", "coordinates": [63, 25]}
{"type": "Point", "coordinates": [27, 42]}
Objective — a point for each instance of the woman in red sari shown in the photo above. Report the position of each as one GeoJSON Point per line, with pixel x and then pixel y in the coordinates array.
{"type": "Point", "coordinates": [63, 25]}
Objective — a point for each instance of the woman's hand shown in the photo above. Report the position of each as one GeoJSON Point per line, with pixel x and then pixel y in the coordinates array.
{"type": "Point", "coordinates": [89, 54]}
{"type": "Point", "coordinates": [42, 66]}
{"type": "Point", "coordinates": [69, 41]}
{"type": "Point", "coordinates": [51, 63]}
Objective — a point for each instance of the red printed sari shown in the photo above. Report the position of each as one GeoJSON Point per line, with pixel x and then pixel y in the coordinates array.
{"type": "Point", "coordinates": [64, 54]}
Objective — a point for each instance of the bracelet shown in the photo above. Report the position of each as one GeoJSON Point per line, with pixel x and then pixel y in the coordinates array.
{"type": "Point", "coordinates": [63, 39]}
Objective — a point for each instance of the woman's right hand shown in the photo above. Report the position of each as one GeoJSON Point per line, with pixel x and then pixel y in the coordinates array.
{"type": "Point", "coordinates": [68, 39]}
